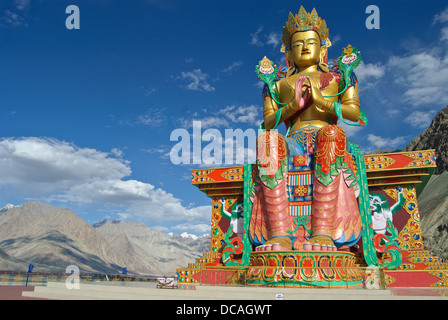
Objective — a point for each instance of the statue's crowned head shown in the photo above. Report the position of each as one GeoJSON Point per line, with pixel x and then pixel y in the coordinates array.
{"type": "Point", "coordinates": [309, 26]}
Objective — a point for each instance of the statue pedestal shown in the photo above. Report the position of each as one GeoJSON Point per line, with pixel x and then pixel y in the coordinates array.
{"type": "Point", "coordinates": [304, 269]}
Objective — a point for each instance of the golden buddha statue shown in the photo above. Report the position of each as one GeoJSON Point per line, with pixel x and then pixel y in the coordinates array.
{"type": "Point", "coordinates": [309, 99]}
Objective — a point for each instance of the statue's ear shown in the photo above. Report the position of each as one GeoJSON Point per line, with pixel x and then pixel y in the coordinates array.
{"type": "Point", "coordinates": [289, 63]}
{"type": "Point", "coordinates": [323, 59]}
{"type": "Point", "coordinates": [324, 54]}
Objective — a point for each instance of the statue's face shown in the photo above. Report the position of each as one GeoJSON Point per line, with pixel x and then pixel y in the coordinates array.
{"type": "Point", "coordinates": [306, 48]}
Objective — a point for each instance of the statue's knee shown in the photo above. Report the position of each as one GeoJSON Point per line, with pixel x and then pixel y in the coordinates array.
{"type": "Point", "coordinates": [270, 145]}
{"type": "Point", "coordinates": [331, 134]}
{"type": "Point", "coordinates": [331, 138]}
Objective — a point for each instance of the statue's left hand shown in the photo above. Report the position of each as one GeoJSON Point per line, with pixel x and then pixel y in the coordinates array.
{"type": "Point", "coordinates": [317, 96]}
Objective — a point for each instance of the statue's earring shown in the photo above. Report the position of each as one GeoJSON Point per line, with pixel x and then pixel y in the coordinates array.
{"type": "Point", "coordinates": [291, 70]}
{"type": "Point", "coordinates": [322, 65]}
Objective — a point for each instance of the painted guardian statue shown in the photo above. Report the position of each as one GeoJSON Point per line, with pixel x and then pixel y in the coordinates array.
{"type": "Point", "coordinates": [309, 98]}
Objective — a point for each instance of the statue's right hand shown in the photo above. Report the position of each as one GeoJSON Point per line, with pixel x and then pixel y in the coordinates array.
{"type": "Point", "coordinates": [299, 91]}
{"type": "Point", "coordinates": [303, 85]}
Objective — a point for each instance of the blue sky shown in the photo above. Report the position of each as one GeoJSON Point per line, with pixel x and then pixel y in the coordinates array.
{"type": "Point", "coordinates": [86, 115]}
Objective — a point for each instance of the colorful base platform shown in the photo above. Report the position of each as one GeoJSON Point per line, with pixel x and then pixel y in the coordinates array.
{"type": "Point", "coordinates": [304, 269]}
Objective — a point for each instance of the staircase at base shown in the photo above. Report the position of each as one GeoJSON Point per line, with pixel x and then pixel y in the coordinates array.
{"type": "Point", "coordinates": [420, 268]}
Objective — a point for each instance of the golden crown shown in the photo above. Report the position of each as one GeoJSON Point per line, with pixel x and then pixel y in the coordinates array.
{"type": "Point", "coordinates": [305, 21]}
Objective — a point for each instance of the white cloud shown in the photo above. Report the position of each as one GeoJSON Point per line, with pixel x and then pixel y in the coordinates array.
{"type": "Point", "coordinates": [232, 67]}
{"type": "Point", "coordinates": [334, 40]}
{"type": "Point", "coordinates": [444, 34]}
{"type": "Point", "coordinates": [254, 38]}
{"type": "Point", "coordinates": [214, 121]}
{"type": "Point", "coordinates": [369, 71]}
{"type": "Point", "coordinates": [274, 39]}
{"type": "Point", "coordinates": [242, 114]}
{"type": "Point", "coordinates": [423, 76]}
{"type": "Point", "coordinates": [22, 4]}
{"type": "Point", "coordinates": [393, 113]}
{"type": "Point", "coordinates": [441, 17]}
{"type": "Point", "coordinates": [152, 118]}
{"type": "Point", "coordinates": [55, 164]}
{"type": "Point", "coordinates": [420, 119]}
{"type": "Point", "coordinates": [149, 91]}
{"type": "Point", "coordinates": [196, 80]}
{"type": "Point", "coordinates": [16, 15]}
{"type": "Point", "coordinates": [117, 152]}
{"type": "Point", "coordinates": [14, 19]}
{"type": "Point", "coordinates": [162, 150]}
{"type": "Point", "coordinates": [227, 117]}
{"type": "Point", "coordinates": [52, 170]}
{"type": "Point", "coordinates": [259, 39]}
{"type": "Point", "coordinates": [378, 142]}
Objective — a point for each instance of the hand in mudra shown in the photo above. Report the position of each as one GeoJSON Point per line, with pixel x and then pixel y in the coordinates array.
{"type": "Point", "coordinates": [308, 93]}
{"type": "Point", "coordinates": [316, 96]}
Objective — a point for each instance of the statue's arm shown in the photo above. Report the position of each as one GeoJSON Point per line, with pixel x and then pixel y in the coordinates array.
{"type": "Point", "coordinates": [271, 111]}
{"type": "Point", "coordinates": [349, 102]}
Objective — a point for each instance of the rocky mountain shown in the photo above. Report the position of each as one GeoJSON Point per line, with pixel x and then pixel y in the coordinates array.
{"type": "Point", "coordinates": [433, 201]}
{"type": "Point", "coordinates": [9, 263]}
{"type": "Point", "coordinates": [387, 150]}
{"type": "Point", "coordinates": [433, 207]}
{"type": "Point", "coordinates": [148, 251]}
{"type": "Point", "coordinates": [434, 137]}
{"type": "Point", "coordinates": [53, 238]}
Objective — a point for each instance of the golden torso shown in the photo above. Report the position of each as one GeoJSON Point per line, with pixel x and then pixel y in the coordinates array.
{"type": "Point", "coordinates": [312, 115]}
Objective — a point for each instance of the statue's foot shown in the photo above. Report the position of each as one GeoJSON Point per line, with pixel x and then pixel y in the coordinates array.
{"type": "Point", "coordinates": [276, 244]}
{"type": "Point", "coordinates": [321, 243]}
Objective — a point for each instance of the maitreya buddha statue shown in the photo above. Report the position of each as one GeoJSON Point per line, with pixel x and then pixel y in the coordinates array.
{"type": "Point", "coordinates": [309, 99]}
